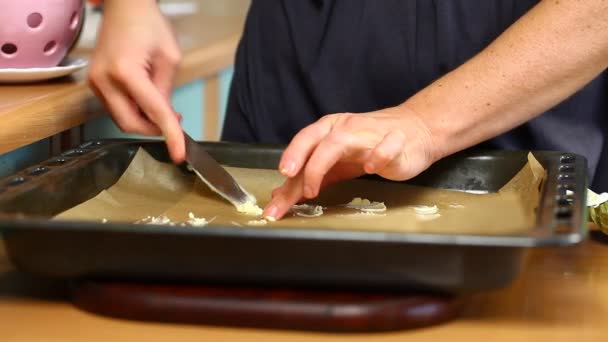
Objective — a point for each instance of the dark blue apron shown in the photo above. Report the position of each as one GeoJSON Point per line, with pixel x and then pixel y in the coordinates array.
{"type": "Point", "coordinates": [301, 59]}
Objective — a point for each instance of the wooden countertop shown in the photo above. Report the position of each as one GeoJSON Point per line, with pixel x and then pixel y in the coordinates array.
{"type": "Point", "coordinates": [562, 295]}
{"type": "Point", "coordinates": [29, 113]}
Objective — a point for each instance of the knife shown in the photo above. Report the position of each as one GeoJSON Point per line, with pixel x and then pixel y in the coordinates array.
{"type": "Point", "coordinates": [215, 176]}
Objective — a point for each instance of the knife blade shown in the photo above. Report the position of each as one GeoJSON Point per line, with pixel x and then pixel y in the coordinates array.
{"type": "Point", "coordinates": [215, 176]}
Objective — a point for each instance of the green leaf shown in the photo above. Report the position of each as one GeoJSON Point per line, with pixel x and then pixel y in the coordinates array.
{"type": "Point", "coordinates": [598, 214]}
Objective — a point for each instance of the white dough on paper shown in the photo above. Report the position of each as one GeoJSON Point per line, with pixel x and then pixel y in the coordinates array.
{"type": "Point", "coordinates": [196, 221]}
{"type": "Point", "coordinates": [307, 210]}
{"type": "Point", "coordinates": [426, 210]}
{"type": "Point", "coordinates": [364, 204]}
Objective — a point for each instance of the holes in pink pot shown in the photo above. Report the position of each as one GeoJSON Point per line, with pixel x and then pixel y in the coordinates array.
{"type": "Point", "coordinates": [34, 20]}
{"type": "Point", "coordinates": [50, 48]}
{"type": "Point", "coordinates": [8, 49]}
{"type": "Point", "coordinates": [74, 19]}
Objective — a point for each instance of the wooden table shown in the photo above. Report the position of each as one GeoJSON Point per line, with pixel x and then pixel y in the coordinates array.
{"type": "Point", "coordinates": [561, 296]}
{"type": "Point", "coordinates": [29, 113]}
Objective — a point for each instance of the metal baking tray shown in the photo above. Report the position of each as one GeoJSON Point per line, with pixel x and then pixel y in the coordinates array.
{"type": "Point", "coordinates": [294, 257]}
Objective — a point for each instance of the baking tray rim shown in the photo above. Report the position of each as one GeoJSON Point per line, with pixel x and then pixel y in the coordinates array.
{"type": "Point", "coordinates": [294, 233]}
{"type": "Point", "coordinates": [530, 239]}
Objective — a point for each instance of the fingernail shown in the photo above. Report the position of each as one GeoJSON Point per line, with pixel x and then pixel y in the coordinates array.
{"type": "Point", "coordinates": [271, 212]}
{"type": "Point", "coordinates": [369, 168]}
{"type": "Point", "coordinates": [288, 169]}
{"type": "Point", "coordinates": [308, 191]}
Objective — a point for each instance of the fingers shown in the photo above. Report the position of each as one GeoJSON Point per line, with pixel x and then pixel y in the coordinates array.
{"type": "Point", "coordinates": [302, 145]}
{"type": "Point", "coordinates": [159, 110]}
{"type": "Point", "coordinates": [178, 116]}
{"type": "Point", "coordinates": [164, 68]}
{"type": "Point", "coordinates": [327, 153]}
{"type": "Point", "coordinates": [277, 191]}
{"type": "Point", "coordinates": [340, 148]}
{"type": "Point", "coordinates": [123, 110]}
{"type": "Point", "coordinates": [290, 193]}
{"type": "Point", "coordinates": [284, 198]}
{"type": "Point", "coordinates": [326, 163]}
{"type": "Point", "coordinates": [389, 148]}
{"type": "Point", "coordinates": [342, 171]}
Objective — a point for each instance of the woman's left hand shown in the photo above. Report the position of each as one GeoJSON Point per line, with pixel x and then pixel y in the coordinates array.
{"type": "Point", "coordinates": [394, 143]}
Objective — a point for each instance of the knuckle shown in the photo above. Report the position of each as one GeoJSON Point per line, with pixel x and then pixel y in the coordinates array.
{"type": "Point", "coordinates": [348, 119]}
{"type": "Point", "coordinates": [280, 198]}
{"type": "Point", "coordinates": [275, 193]}
{"type": "Point", "coordinates": [342, 138]}
{"type": "Point", "coordinates": [313, 188]}
{"type": "Point", "coordinates": [332, 120]}
{"type": "Point", "coordinates": [314, 172]}
{"type": "Point", "coordinates": [121, 69]}
{"type": "Point", "coordinates": [95, 75]}
{"type": "Point", "coordinates": [125, 125]}
{"type": "Point", "coordinates": [305, 136]}
{"type": "Point", "coordinates": [329, 117]}
{"type": "Point", "coordinates": [398, 136]}
{"type": "Point", "coordinates": [173, 56]}
{"type": "Point", "coordinates": [289, 194]}
{"type": "Point", "coordinates": [382, 155]}
{"type": "Point", "coordinates": [306, 131]}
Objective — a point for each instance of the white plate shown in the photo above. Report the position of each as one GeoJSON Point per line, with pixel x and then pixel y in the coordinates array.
{"type": "Point", "coordinates": [66, 67]}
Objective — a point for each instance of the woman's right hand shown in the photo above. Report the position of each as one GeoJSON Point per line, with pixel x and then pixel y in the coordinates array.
{"type": "Point", "coordinates": [132, 71]}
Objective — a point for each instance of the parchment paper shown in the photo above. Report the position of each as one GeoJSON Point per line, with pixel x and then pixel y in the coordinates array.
{"type": "Point", "coordinates": [151, 188]}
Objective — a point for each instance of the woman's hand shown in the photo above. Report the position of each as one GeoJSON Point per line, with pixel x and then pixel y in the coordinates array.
{"type": "Point", "coordinates": [132, 71]}
{"type": "Point", "coordinates": [394, 143]}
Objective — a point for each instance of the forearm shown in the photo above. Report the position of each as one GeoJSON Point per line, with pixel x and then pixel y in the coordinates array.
{"type": "Point", "coordinates": [543, 58]}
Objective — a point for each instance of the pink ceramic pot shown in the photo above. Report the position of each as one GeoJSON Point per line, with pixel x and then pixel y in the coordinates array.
{"type": "Point", "coordinates": [37, 33]}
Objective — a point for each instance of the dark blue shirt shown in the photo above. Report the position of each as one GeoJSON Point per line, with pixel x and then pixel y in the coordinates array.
{"type": "Point", "coordinates": [301, 59]}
